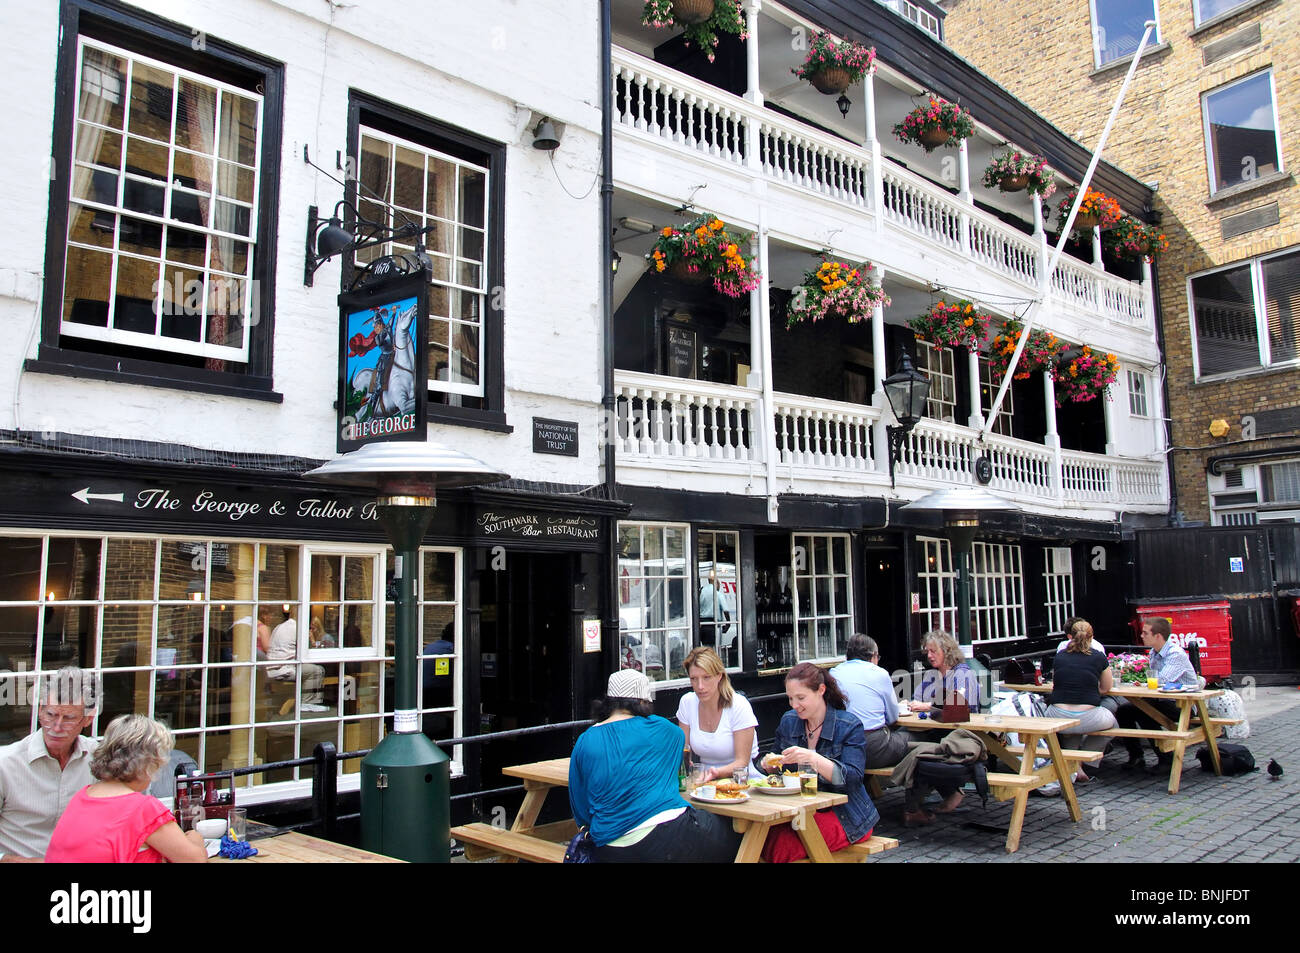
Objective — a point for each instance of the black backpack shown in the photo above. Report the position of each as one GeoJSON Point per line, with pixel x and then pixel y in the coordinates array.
{"type": "Point", "coordinates": [1235, 759]}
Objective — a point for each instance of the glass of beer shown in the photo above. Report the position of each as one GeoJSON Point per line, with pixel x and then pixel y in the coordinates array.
{"type": "Point", "coordinates": [807, 779]}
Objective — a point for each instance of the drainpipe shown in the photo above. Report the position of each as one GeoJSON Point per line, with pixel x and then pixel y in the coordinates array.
{"type": "Point", "coordinates": [607, 401]}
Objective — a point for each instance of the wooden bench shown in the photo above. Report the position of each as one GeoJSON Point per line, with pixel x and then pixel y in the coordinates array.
{"type": "Point", "coordinates": [1165, 740]}
{"type": "Point", "coordinates": [873, 786]}
{"type": "Point", "coordinates": [856, 853]}
{"type": "Point", "coordinates": [512, 843]}
{"type": "Point", "coordinates": [1005, 786]}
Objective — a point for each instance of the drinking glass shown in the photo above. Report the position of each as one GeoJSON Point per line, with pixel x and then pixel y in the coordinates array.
{"type": "Point", "coordinates": [1153, 683]}
{"type": "Point", "coordinates": [237, 823]}
{"type": "Point", "coordinates": [807, 779]}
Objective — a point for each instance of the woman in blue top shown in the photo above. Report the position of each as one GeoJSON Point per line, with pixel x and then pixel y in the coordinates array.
{"type": "Point", "coordinates": [818, 728]}
{"type": "Point", "coordinates": [623, 785]}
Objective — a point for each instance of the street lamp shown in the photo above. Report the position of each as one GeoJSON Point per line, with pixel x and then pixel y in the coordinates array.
{"type": "Point", "coordinates": [907, 390]}
{"type": "Point", "coordinates": [961, 507]}
{"type": "Point", "coordinates": [405, 780]}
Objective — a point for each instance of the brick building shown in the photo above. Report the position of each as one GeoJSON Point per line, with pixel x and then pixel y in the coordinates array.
{"type": "Point", "coordinates": [1210, 120]}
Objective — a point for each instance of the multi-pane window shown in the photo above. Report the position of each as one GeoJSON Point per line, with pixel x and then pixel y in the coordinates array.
{"type": "Point", "coordinates": [823, 602]}
{"type": "Point", "coordinates": [937, 364]}
{"type": "Point", "coordinates": [1058, 579]}
{"type": "Point", "coordinates": [936, 577]}
{"type": "Point", "coordinates": [989, 385]}
{"type": "Point", "coordinates": [226, 642]}
{"type": "Point", "coordinates": [1117, 27]}
{"type": "Point", "coordinates": [400, 182]}
{"type": "Point", "coordinates": [653, 610]}
{"type": "Point", "coordinates": [1209, 9]}
{"type": "Point", "coordinates": [1241, 131]}
{"type": "Point", "coordinates": [163, 207]}
{"type": "Point", "coordinates": [718, 602]}
{"type": "Point", "coordinates": [997, 592]}
{"type": "Point", "coordinates": [1137, 394]}
{"type": "Point", "coordinates": [1247, 315]}
{"type": "Point", "coordinates": [440, 641]}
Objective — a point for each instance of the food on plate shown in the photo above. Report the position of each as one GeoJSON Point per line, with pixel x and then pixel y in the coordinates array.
{"type": "Point", "coordinates": [772, 762]}
{"type": "Point", "coordinates": [729, 790]}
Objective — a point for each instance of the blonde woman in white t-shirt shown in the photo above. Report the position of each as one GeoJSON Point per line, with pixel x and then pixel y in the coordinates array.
{"type": "Point", "coordinates": [720, 726]}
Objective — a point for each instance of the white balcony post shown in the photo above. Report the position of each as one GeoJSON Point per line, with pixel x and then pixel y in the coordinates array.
{"type": "Point", "coordinates": [759, 360]}
{"type": "Point", "coordinates": [1096, 246]}
{"type": "Point", "coordinates": [1051, 439]}
{"type": "Point", "coordinates": [1149, 301]}
{"type": "Point", "coordinates": [963, 171]}
{"type": "Point", "coordinates": [765, 419]}
{"type": "Point", "coordinates": [869, 104]}
{"type": "Point", "coordinates": [753, 92]}
{"type": "Point", "coordinates": [973, 367]}
{"type": "Point", "coordinates": [1044, 252]}
{"type": "Point", "coordinates": [879, 371]}
{"type": "Point", "coordinates": [873, 146]}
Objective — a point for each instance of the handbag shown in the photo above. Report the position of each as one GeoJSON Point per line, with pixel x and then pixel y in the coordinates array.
{"type": "Point", "coordinates": [581, 849]}
{"type": "Point", "coordinates": [1234, 759]}
{"type": "Point", "coordinates": [954, 709]}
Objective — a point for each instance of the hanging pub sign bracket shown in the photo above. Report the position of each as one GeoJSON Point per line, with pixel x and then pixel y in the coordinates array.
{"type": "Point", "coordinates": [383, 356]}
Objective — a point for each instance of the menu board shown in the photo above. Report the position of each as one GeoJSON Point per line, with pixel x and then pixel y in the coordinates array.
{"type": "Point", "coordinates": [682, 349]}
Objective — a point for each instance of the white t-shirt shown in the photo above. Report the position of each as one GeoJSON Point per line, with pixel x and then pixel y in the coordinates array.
{"type": "Point", "coordinates": [717, 748]}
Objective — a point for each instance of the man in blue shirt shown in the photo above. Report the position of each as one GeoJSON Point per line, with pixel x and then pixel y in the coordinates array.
{"type": "Point", "coordinates": [869, 692]}
{"type": "Point", "coordinates": [1171, 666]}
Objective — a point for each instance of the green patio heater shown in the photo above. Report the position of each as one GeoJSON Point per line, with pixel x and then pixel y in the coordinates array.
{"type": "Point", "coordinates": [406, 779]}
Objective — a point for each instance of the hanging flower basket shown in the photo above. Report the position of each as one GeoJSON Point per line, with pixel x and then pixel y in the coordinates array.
{"type": "Point", "coordinates": [700, 20]}
{"type": "Point", "coordinates": [935, 124]}
{"type": "Point", "coordinates": [1016, 171]}
{"type": "Point", "coordinates": [703, 249]}
{"type": "Point", "coordinates": [1132, 240]}
{"type": "Point", "coordinates": [835, 290]}
{"type": "Point", "coordinates": [1041, 352]}
{"type": "Point", "coordinates": [960, 324]}
{"type": "Point", "coordinates": [833, 67]}
{"type": "Point", "coordinates": [1084, 377]}
{"type": "Point", "coordinates": [1097, 209]}
{"type": "Point", "coordinates": [692, 11]}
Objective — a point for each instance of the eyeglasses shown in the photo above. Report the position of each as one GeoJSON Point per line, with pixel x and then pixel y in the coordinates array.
{"type": "Point", "coordinates": [58, 721]}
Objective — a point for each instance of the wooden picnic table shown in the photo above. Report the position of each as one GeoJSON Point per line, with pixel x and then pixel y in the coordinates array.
{"type": "Point", "coordinates": [752, 819]}
{"type": "Point", "coordinates": [1173, 736]}
{"type": "Point", "coordinates": [1023, 777]}
{"type": "Point", "coordinates": [294, 847]}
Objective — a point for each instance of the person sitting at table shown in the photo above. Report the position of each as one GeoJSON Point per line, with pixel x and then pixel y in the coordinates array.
{"type": "Point", "coordinates": [869, 693]}
{"type": "Point", "coordinates": [1080, 675]}
{"type": "Point", "coordinates": [1172, 668]}
{"type": "Point", "coordinates": [819, 729]}
{"type": "Point", "coordinates": [114, 821]}
{"type": "Point", "coordinates": [720, 726]}
{"type": "Point", "coordinates": [623, 785]}
{"type": "Point", "coordinates": [951, 675]}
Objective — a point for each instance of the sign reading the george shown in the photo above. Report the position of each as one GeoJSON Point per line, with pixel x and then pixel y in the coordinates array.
{"type": "Point", "coordinates": [510, 523]}
{"type": "Point", "coordinates": [555, 436]}
{"type": "Point", "coordinates": [383, 362]}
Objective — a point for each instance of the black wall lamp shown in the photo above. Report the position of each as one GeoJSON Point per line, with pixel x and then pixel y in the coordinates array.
{"type": "Point", "coordinates": [844, 103]}
{"type": "Point", "coordinates": [907, 390]}
{"type": "Point", "coordinates": [328, 237]}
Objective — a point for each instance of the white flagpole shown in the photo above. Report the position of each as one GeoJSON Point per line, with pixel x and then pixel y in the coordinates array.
{"type": "Point", "coordinates": [1027, 319]}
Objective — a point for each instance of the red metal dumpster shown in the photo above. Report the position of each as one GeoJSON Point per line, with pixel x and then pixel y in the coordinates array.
{"type": "Point", "coordinates": [1205, 622]}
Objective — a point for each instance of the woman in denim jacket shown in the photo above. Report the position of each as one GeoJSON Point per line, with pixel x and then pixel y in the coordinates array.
{"type": "Point", "coordinates": [819, 729]}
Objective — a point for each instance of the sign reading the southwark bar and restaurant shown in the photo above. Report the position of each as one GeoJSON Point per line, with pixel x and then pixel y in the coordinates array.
{"type": "Point", "coordinates": [510, 523]}
{"type": "Point", "coordinates": [383, 361]}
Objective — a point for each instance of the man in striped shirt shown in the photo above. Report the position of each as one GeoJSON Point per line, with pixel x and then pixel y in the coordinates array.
{"type": "Point", "coordinates": [1171, 666]}
{"type": "Point", "coordinates": [41, 773]}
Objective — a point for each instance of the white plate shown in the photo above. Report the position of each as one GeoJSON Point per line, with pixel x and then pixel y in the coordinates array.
{"type": "Point", "coordinates": [212, 846]}
{"type": "Point", "coordinates": [706, 793]}
{"type": "Point", "coordinates": [789, 788]}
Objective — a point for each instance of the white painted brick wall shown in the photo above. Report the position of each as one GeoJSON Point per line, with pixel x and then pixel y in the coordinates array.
{"type": "Point", "coordinates": [484, 66]}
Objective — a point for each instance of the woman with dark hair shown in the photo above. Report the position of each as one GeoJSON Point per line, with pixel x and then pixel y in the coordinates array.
{"type": "Point", "coordinates": [819, 729]}
{"type": "Point", "coordinates": [623, 785]}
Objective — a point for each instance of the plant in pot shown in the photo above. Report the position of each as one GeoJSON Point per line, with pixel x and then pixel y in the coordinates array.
{"type": "Point", "coordinates": [1084, 376]}
{"type": "Point", "coordinates": [960, 324]}
{"type": "Point", "coordinates": [837, 290]}
{"type": "Point", "coordinates": [833, 67]}
{"type": "Point", "coordinates": [703, 250]}
{"type": "Point", "coordinates": [934, 124]}
{"type": "Point", "coordinates": [1016, 171]}
{"type": "Point", "coordinates": [1097, 209]}
{"type": "Point", "coordinates": [701, 20]}
{"type": "Point", "coordinates": [1042, 350]}
{"type": "Point", "coordinates": [1133, 240]}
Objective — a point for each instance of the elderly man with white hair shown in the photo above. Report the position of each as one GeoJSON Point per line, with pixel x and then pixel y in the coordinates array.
{"type": "Point", "coordinates": [41, 773]}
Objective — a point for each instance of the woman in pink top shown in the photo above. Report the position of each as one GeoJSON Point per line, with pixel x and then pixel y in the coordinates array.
{"type": "Point", "coordinates": [114, 821]}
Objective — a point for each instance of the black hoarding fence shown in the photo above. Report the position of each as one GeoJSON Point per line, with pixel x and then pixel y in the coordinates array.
{"type": "Point", "coordinates": [1256, 569]}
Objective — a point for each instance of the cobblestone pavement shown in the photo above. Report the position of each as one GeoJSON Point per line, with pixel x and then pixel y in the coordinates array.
{"type": "Point", "coordinates": [1130, 816]}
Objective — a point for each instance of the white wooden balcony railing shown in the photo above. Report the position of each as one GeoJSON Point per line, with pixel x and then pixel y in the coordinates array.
{"type": "Point", "coordinates": [668, 107]}
{"type": "Point", "coordinates": [674, 423]}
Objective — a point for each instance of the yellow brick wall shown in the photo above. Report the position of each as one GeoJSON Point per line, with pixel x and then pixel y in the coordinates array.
{"type": "Point", "coordinates": [1042, 53]}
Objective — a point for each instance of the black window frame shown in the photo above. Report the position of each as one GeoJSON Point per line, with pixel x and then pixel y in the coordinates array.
{"type": "Point", "coordinates": [145, 34]}
{"type": "Point", "coordinates": [367, 110]}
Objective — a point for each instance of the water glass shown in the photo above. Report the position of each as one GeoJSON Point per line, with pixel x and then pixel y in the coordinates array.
{"type": "Point", "coordinates": [237, 823]}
